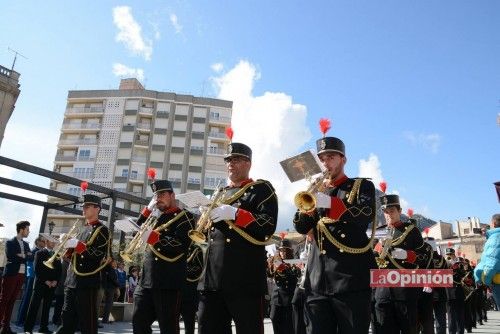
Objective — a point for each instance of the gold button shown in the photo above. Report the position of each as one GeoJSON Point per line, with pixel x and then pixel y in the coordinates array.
{"type": "Point", "coordinates": [341, 250]}
{"type": "Point", "coordinates": [81, 256]}
{"type": "Point", "coordinates": [228, 240]}
{"type": "Point", "coordinates": [158, 249]}
{"type": "Point", "coordinates": [81, 264]}
{"type": "Point", "coordinates": [211, 239]}
{"type": "Point", "coordinates": [230, 227]}
{"type": "Point", "coordinates": [323, 251]}
{"type": "Point", "coordinates": [342, 235]}
{"type": "Point", "coordinates": [213, 228]}
{"type": "Point", "coordinates": [156, 259]}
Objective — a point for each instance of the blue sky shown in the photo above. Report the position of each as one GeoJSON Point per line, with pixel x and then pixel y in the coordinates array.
{"type": "Point", "coordinates": [412, 88]}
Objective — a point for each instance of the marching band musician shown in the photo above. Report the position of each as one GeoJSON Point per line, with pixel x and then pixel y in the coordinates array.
{"type": "Point", "coordinates": [234, 283]}
{"type": "Point", "coordinates": [438, 294]}
{"type": "Point", "coordinates": [456, 295]}
{"type": "Point", "coordinates": [337, 283]}
{"type": "Point", "coordinates": [299, 298]}
{"type": "Point", "coordinates": [396, 308]}
{"type": "Point", "coordinates": [157, 295]}
{"type": "Point", "coordinates": [88, 255]}
{"type": "Point", "coordinates": [190, 295]}
{"type": "Point", "coordinates": [286, 277]}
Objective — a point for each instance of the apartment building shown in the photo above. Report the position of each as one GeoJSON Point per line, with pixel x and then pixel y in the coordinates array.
{"type": "Point", "coordinates": [9, 92]}
{"type": "Point", "coordinates": [111, 138]}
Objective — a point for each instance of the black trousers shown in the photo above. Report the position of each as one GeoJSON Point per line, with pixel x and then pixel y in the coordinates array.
{"type": "Point", "coordinates": [156, 304]}
{"type": "Point", "coordinates": [58, 305]}
{"type": "Point", "coordinates": [80, 308]}
{"type": "Point", "coordinates": [425, 317]}
{"type": "Point", "coordinates": [456, 316]}
{"type": "Point", "coordinates": [123, 292]}
{"type": "Point", "coordinates": [298, 303]}
{"type": "Point", "coordinates": [188, 313]}
{"type": "Point", "coordinates": [282, 319]}
{"type": "Point", "coordinates": [469, 318]}
{"type": "Point", "coordinates": [440, 316]}
{"type": "Point", "coordinates": [40, 292]}
{"type": "Point", "coordinates": [217, 309]}
{"type": "Point", "coordinates": [345, 313]}
{"type": "Point", "coordinates": [109, 296]}
{"type": "Point", "coordinates": [397, 316]}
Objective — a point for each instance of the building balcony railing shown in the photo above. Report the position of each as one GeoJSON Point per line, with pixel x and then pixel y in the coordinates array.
{"type": "Point", "coordinates": [217, 135]}
{"type": "Point", "coordinates": [79, 175]}
{"type": "Point", "coordinates": [84, 141]}
{"type": "Point", "coordinates": [213, 150]}
{"type": "Point", "coordinates": [83, 126]}
{"type": "Point", "coordinates": [220, 119]}
{"type": "Point", "coordinates": [137, 158]}
{"type": "Point", "coordinates": [73, 158]}
{"type": "Point", "coordinates": [142, 142]}
{"type": "Point", "coordinates": [146, 110]}
{"type": "Point", "coordinates": [84, 110]}
{"type": "Point", "coordinates": [143, 126]}
{"type": "Point", "coordinates": [134, 176]}
{"type": "Point", "coordinates": [215, 167]}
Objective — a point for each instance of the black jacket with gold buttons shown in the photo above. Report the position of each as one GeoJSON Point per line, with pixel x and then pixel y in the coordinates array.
{"type": "Point", "coordinates": [164, 264]}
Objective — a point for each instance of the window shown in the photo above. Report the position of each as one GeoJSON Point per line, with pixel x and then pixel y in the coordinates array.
{"type": "Point", "coordinates": [214, 115]}
{"type": "Point", "coordinates": [84, 155]}
{"type": "Point", "coordinates": [125, 172]}
{"type": "Point", "coordinates": [133, 174]}
{"type": "Point", "coordinates": [466, 231]}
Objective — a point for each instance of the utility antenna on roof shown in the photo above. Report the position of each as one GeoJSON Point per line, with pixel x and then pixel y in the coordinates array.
{"type": "Point", "coordinates": [15, 57]}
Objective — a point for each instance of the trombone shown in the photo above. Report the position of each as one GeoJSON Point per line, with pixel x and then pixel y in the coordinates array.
{"type": "Point", "coordinates": [137, 242]}
{"type": "Point", "coordinates": [204, 222]}
{"type": "Point", "coordinates": [72, 233]}
{"type": "Point", "coordinates": [305, 200]}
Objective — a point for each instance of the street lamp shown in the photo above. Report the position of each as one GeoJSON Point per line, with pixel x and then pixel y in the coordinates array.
{"type": "Point", "coordinates": [51, 227]}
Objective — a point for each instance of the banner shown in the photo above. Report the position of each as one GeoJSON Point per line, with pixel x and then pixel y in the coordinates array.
{"type": "Point", "coordinates": [411, 278]}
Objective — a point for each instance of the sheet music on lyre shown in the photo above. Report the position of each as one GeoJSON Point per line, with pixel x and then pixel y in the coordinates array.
{"type": "Point", "coordinates": [127, 225]}
{"type": "Point", "coordinates": [193, 199]}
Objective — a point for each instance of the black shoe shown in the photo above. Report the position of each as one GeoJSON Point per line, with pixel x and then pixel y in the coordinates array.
{"type": "Point", "coordinates": [45, 331]}
{"type": "Point", "coordinates": [100, 326]}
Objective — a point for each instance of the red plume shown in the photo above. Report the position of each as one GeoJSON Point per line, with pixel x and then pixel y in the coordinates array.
{"type": "Point", "coordinates": [450, 244]}
{"type": "Point", "coordinates": [229, 133]}
{"type": "Point", "coordinates": [410, 212]}
{"type": "Point", "coordinates": [282, 235]}
{"type": "Point", "coordinates": [151, 173]}
{"type": "Point", "coordinates": [383, 186]}
{"type": "Point", "coordinates": [84, 185]}
{"type": "Point", "coordinates": [324, 125]}
{"type": "Point", "coordinates": [426, 230]}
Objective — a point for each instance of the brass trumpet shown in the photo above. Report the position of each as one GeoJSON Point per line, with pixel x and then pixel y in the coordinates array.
{"type": "Point", "coordinates": [136, 243]}
{"type": "Point", "coordinates": [204, 222]}
{"type": "Point", "coordinates": [305, 200]}
{"type": "Point", "coordinates": [72, 233]}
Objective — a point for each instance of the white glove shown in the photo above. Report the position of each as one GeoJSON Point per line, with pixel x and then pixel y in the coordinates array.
{"type": "Point", "coordinates": [399, 253]}
{"type": "Point", "coordinates": [223, 212]}
{"type": "Point", "coordinates": [323, 201]}
{"type": "Point", "coordinates": [152, 204]}
{"type": "Point", "coordinates": [150, 237]}
{"type": "Point", "coordinates": [427, 289]}
{"type": "Point", "coordinates": [71, 243]}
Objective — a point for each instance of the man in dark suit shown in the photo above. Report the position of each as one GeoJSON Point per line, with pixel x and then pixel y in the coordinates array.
{"type": "Point", "coordinates": [17, 253]}
{"type": "Point", "coordinates": [88, 252]}
{"type": "Point", "coordinates": [235, 281]}
{"type": "Point", "coordinates": [157, 296]}
{"type": "Point", "coordinates": [45, 284]}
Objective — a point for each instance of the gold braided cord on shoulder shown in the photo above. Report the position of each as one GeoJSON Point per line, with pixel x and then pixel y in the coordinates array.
{"type": "Point", "coordinates": [403, 236]}
{"type": "Point", "coordinates": [354, 191]}
{"type": "Point", "coordinates": [104, 262]}
{"type": "Point", "coordinates": [161, 228]}
{"type": "Point", "coordinates": [247, 236]}
{"type": "Point", "coordinates": [240, 192]}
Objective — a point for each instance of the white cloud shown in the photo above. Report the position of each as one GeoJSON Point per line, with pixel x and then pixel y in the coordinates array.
{"type": "Point", "coordinates": [430, 142]}
{"type": "Point", "coordinates": [371, 168]}
{"type": "Point", "coordinates": [175, 23]}
{"type": "Point", "coordinates": [122, 71]}
{"type": "Point", "coordinates": [272, 125]}
{"type": "Point", "coordinates": [217, 67]}
{"type": "Point", "coordinates": [129, 32]}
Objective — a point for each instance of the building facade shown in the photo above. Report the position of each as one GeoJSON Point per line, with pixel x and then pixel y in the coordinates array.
{"type": "Point", "coordinates": [9, 92]}
{"type": "Point", "coordinates": [111, 138]}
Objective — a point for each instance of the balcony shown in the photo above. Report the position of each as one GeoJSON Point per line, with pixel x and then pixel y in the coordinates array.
{"type": "Point", "coordinates": [84, 110]}
{"type": "Point", "coordinates": [219, 135]}
{"type": "Point", "coordinates": [143, 126]}
{"type": "Point", "coordinates": [219, 119]}
{"type": "Point", "coordinates": [142, 142]}
{"type": "Point", "coordinates": [213, 150]}
{"type": "Point", "coordinates": [81, 126]}
{"type": "Point", "coordinates": [138, 158]}
{"type": "Point", "coordinates": [146, 111]}
{"type": "Point", "coordinates": [85, 176]}
{"type": "Point", "coordinates": [66, 158]}
{"type": "Point", "coordinates": [77, 142]}
{"type": "Point", "coordinates": [136, 178]}
{"type": "Point", "coordinates": [215, 167]}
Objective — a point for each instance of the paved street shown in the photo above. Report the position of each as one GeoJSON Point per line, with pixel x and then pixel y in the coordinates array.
{"type": "Point", "coordinates": [491, 327]}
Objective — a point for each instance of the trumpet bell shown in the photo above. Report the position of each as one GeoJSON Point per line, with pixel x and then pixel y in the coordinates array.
{"type": "Point", "coordinates": [125, 257]}
{"type": "Point", "coordinates": [197, 236]}
{"type": "Point", "coordinates": [49, 263]}
{"type": "Point", "coordinates": [305, 201]}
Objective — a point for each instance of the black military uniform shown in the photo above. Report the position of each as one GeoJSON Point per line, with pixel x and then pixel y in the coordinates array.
{"type": "Point", "coordinates": [234, 283]}
{"type": "Point", "coordinates": [83, 277]}
{"type": "Point", "coordinates": [286, 277]}
{"type": "Point", "coordinates": [456, 296]}
{"type": "Point", "coordinates": [42, 291]}
{"type": "Point", "coordinates": [396, 308]}
{"type": "Point", "coordinates": [337, 281]}
{"type": "Point", "coordinates": [439, 297]}
{"type": "Point", "coordinates": [190, 294]}
{"type": "Point", "coordinates": [157, 295]}
{"type": "Point", "coordinates": [470, 297]}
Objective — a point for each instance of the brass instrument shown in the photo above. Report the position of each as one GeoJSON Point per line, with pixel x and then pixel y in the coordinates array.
{"type": "Point", "coordinates": [304, 255]}
{"type": "Point", "coordinates": [137, 242]}
{"type": "Point", "coordinates": [305, 200]}
{"type": "Point", "coordinates": [203, 224]}
{"type": "Point", "coordinates": [59, 251]}
{"type": "Point", "coordinates": [381, 261]}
